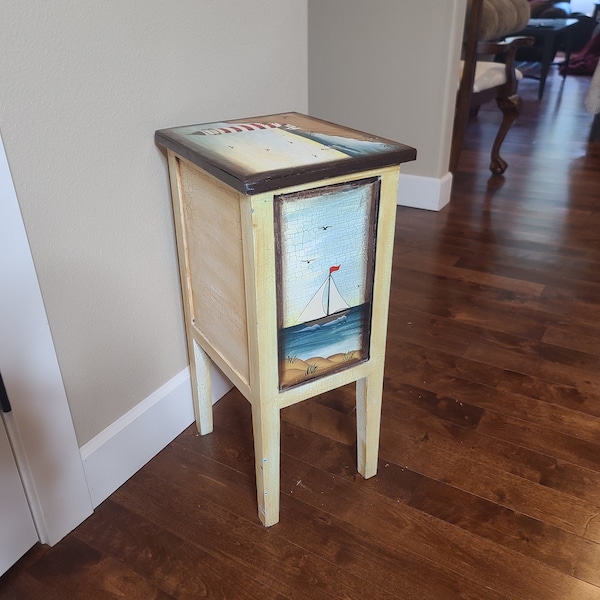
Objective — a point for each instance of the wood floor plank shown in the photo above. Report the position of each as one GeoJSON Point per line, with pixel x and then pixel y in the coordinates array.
{"type": "Point", "coordinates": [18, 584]}
{"type": "Point", "coordinates": [461, 309]}
{"type": "Point", "coordinates": [558, 548]}
{"type": "Point", "coordinates": [98, 576]}
{"type": "Point", "coordinates": [24, 586]}
{"type": "Point", "coordinates": [566, 552]}
{"type": "Point", "coordinates": [538, 467]}
{"type": "Point", "coordinates": [581, 310]}
{"type": "Point", "coordinates": [530, 435]}
{"type": "Point", "coordinates": [449, 546]}
{"type": "Point", "coordinates": [276, 561]}
{"type": "Point", "coordinates": [432, 361]}
{"type": "Point", "coordinates": [554, 393]}
{"type": "Point", "coordinates": [566, 415]}
{"type": "Point", "coordinates": [404, 573]}
{"type": "Point", "coordinates": [298, 487]}
{"type": "Point", "coordinates": [490, 469]}
{"type": "Point", "coordinates": [395, 569]}
{"type": "Point", "coordinates": [462, 321]}
{"type": "Point", "coordinates": [392, 449]}
{"type": "Point", "coordinates": [583, 338]}
{"type": "Point", "coordinates": [530, 269]}
{"type": "Point", "coordinates": [428, 454]}
{"type": "Point", "coordinates": [171, 563]}
{"type": "Point", "coordinates": [428, 262]}
{"type": "Point", "coordinates": [580, 370]}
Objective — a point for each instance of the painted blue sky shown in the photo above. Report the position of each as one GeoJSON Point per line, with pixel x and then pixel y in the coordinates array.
{"type": "Point", "coordinates": [328, 229]}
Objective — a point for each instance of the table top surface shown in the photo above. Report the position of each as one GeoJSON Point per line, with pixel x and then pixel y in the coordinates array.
{"type": "Point", "coordinates": [260, 154]}
{"type": "Point", "coordinates": [542, 25]}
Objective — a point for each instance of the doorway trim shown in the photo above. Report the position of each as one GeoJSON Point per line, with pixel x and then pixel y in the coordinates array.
{"type": "Point", "coordinates": [40, 426]}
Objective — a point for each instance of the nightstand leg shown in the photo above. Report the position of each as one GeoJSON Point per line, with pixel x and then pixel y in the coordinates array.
{"type": "Point", "coordinates": [368, 420]}
{"type": "Point", "coordinates": [201, 388]}
{"type": "Point", "coordinates": [266, 428]}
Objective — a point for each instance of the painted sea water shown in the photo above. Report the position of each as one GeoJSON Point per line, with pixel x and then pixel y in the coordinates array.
{"type": "Point", "coordinates": [343, 335]}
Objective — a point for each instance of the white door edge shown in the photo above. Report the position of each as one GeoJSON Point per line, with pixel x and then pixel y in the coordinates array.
{"type": "Point", "coordinates": [41, 429]}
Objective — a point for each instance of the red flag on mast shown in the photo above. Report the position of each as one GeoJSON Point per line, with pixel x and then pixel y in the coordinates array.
{"type": "Point", "coordinates": [334, 269]}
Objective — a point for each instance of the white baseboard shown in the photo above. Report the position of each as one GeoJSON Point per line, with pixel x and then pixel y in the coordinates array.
{"type": "Point", "coordinates": [125, 446]}
{"type": "Point", "coordinates": [429, 193]}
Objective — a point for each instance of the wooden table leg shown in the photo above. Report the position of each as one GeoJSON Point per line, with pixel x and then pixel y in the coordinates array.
{"type": "Point", "coordinates": [266, 428]}
{"type": "Point", "coordinates": [200, 366]}
{"type": "Point", "coordinates": [549, 42]}
{"type": "Point", "coordinates": [368, 420]}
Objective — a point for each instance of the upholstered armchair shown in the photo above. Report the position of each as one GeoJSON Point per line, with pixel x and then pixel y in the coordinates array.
{"type": "Point", "coordinates": [500, 18]}
{"type": "Point", "coordinates": [482, 78]}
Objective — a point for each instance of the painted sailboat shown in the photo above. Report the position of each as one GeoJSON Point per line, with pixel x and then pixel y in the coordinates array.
{"type": "Point", "coordinates": [326, 305]}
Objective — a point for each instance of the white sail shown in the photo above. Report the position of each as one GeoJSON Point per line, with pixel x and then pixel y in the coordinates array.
{"type": "Point", "coordinates": [326, 301]}
{"type": "Point", "coordinates": [336, 302]}
{"type": "Point", "coordinates": [314, 309]}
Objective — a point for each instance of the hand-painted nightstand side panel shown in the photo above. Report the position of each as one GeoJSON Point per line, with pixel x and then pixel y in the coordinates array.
{"type": "Point", "coordinates": [212, 224]}
{"type": "Point", "coordinates": [325, 241]}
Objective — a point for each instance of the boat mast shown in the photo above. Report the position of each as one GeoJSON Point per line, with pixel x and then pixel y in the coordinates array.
{"type": "Point", "coordinates": [329, 280]}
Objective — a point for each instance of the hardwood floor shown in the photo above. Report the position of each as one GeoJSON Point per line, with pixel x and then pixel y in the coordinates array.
{"type": "Point", "coordinates": [489, 477]}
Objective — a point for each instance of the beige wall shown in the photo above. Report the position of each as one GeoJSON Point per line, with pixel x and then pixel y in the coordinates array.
{"type": "Point", "coordinates": [84, 86]}
{"type": "Point", "coordinates": [389, 67]}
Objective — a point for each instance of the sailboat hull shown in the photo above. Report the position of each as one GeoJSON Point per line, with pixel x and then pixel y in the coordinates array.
{"type": "Point", "coordinates": [328, 318]}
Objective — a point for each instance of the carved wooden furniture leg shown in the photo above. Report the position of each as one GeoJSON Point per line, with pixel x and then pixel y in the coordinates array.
{"type": "Point", "coordinates": [510, 107]}
{"type": "Point", "coordinates": [483, 79]}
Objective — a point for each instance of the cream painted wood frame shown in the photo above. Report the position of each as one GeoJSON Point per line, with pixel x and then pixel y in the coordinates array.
{"type": "Point", "coordinates": [230, 306]}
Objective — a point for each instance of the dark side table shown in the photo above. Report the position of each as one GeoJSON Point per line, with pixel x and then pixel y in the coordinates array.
{"type": "Point", "coordinates": [549, 34]}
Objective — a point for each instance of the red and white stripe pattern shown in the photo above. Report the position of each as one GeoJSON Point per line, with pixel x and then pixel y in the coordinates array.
{"type": "Point", "coordinates": [241, 127]}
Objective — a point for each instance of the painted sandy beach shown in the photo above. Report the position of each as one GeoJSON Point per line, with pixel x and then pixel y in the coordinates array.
{"type": "Point", "coordinates": [295, 371]}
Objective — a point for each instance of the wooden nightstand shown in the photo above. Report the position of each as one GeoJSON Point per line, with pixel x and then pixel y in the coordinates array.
{"type": "Point", "coordinates": [285, 227]}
